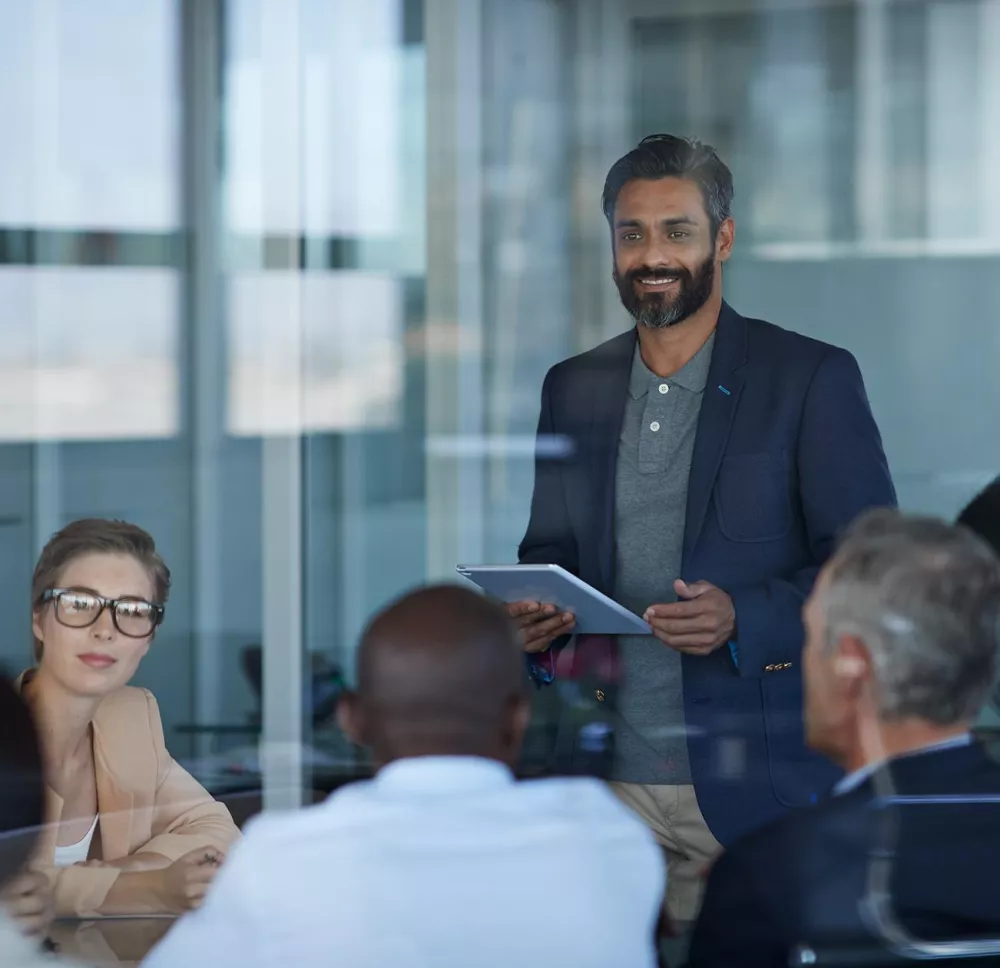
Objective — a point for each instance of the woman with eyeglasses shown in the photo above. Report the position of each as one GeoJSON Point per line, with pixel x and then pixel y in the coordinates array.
{"type": "Point", "coordinates": [129, 830]}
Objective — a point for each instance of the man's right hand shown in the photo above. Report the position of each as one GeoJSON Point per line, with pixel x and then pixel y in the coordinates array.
{"type": "Point", "coordinates": [540, 624]}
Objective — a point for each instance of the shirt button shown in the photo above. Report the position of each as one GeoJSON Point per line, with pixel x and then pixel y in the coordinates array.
{"type": "Point", "coordinates": [599, 695]}
{"type": "Point", "coordinates": [654, 426]}
{"type": "Point", "coordinates": [664, 388]}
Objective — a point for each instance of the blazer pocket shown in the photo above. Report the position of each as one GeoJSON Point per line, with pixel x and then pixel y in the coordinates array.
{"type": "Point", "coordinates": [751, 497]}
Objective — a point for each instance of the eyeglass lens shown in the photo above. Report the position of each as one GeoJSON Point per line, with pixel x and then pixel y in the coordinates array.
{"type": "Point", "coordinates": [79, 609]}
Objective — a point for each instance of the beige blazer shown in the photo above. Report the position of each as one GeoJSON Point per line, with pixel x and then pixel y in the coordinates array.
{"type": "Point", "coordinates": [145, 801]}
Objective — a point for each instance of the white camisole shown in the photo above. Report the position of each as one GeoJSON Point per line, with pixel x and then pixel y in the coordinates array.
{"type": "Point", "coordinates": [74, 853]}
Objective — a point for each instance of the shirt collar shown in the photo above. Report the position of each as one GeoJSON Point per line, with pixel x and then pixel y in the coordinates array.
{"type": "Point", "coordinates": [692, 376]}
{"type": "Point", "coordinates": [433, 774]}
{"type": "Point", "coordinates": [853, 780]}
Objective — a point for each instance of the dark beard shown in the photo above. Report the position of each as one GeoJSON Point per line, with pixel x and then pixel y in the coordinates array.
{"type": "Point", "coordinates": [656, 309]}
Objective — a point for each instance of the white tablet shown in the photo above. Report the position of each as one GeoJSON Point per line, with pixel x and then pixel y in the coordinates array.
{"type": "Point", "coordinates": [596, 614]}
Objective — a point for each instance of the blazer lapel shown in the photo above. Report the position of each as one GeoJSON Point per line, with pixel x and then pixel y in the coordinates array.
{"type": "Point", "coordinates": [114, 804]}
{"type": "Point", "coordinates": [608, 387]}
{"type": "Point", "coordinates": [718, 407]}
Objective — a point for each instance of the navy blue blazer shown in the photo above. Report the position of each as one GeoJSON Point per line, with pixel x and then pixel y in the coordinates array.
{"type": "Point", "coordinates": [786, 455]}
{"type": "Point", "coordinates": [803, 878]}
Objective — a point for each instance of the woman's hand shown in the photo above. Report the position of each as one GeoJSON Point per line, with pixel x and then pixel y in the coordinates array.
{"type": "Point", "coordinates": [27, 899]}
{"type": "Point", "coordinates": [181, 887]}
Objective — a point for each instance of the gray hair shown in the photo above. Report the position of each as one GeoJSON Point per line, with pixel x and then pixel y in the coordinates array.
{"type": "Point", "coordinates": [924, 596]}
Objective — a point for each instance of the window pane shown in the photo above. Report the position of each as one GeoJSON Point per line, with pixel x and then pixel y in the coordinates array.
{"type": "Point", "coordinates": [89, 114]}
{"type": "Point", "coordinates": [87, 353]}
{"type": "Point", "coordinates": [340, 143]}
{"type": "Point", "coordinates": [846, 125]}
{"type": "Point", "coordinates": [774, 92]}
{"type": "Point", "coordinates": [323, 113]}
{"type": "Point", "coordinates": [350, 371]}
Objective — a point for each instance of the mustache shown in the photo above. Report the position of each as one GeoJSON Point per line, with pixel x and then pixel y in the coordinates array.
{"type": "Point", "coordinates": [660, 274]}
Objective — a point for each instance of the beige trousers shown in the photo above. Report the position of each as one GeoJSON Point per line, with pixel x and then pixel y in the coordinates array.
{"type": "Point", "coordinates": [673, 815]}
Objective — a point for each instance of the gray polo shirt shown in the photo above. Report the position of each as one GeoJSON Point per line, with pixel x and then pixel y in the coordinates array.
{"type": "Point", "coordinates": [651, 484]}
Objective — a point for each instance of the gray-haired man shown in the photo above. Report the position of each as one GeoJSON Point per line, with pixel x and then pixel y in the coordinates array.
{"type": "Point", "coordinates": [902, 632]}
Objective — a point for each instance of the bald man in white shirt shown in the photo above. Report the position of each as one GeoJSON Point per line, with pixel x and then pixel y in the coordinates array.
{"type": "Point", "coordinates": [443, 858]}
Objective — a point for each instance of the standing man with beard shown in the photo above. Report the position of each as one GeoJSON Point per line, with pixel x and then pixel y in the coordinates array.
{"type": "Point", "coordinates": [714, 461]}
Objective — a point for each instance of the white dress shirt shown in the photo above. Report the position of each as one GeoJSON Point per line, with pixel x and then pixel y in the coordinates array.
{"type": "Point", "coordinates": [443, 862]}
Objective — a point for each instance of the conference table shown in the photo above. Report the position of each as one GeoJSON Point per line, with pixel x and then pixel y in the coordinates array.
{"type": "Point", "coordinates": [109, 942]}
{"type": "Point", "coordinates": [114, 942]}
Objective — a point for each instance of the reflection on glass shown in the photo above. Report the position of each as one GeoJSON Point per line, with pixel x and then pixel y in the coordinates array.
{"type": "Point", "coordinates": [845, 123]}
{"type": "Point", "coordinates": [348, 372]}
{"type": "Point", "coordinates": [88, 353]}
{"type": "Point", "coordinates": [318, 213]}
{"type": "Point", "coordinates": [329, 162]}
{"type": "Point", "coordinates": [774, 92]}
{"type": "Point", "coordinates": [89, 109]}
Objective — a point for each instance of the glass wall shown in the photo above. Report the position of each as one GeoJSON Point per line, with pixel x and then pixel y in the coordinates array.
{"type": "Point", "coordinates": [91, 292]}
{"type": "Point", "coordinates": [863, 145]}
{"type": "Point", "coordinates": [280, 280]}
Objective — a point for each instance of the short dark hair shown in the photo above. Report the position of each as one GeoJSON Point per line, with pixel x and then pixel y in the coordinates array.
{"type": "Point", "coordinates": [97, 536]}
{"type": "Point", "coordinates": [982, 515]}
{"type": "Point", "coordinates": [22, 786]}
{"type": "Point", "coordinates": [667, 156]}
{"type": "Point", "coordinates": [439, 671]}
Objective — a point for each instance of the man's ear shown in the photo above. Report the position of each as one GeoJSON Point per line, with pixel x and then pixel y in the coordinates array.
{"type": "Point", "coordinates": [853, 661]}
{"type": "Point", "coordinates": [724, 240]}
{"type": "Point", "coordinates": [350, 718]}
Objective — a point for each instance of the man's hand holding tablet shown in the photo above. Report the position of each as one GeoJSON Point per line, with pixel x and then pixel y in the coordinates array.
{"type": "Point", "coordinates": [547, 602]}
{"type": "Point", "coordinates": [540, 625]}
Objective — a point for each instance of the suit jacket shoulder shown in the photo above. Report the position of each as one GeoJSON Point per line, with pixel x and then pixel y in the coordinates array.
{"type": "Point", "coordinates": [769, 344]}
{"type": "Point", "coordinates": [610, 353]}
{"type": "Point", "coordinates": [125, 703]}
{"type": "Point", "coordinates": [811, 840]}
{"type": "Point", "coordinates": [126, 711]}
{"type": "Point", "coordinates": [801, 877]}
{"type": "Point", "coordinates": [130, 735]}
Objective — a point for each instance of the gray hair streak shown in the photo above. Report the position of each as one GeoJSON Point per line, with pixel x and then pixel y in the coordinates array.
{"type": "Point", "coordinates": [924, 596]}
